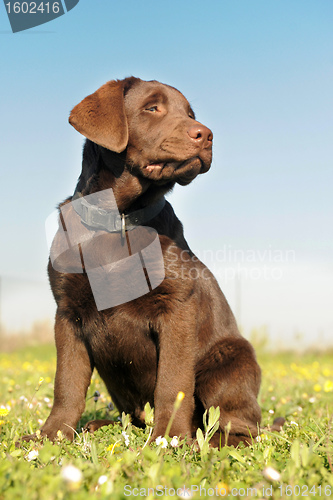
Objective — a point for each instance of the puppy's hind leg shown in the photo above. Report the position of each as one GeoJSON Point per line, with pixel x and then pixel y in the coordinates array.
{"type": "Point", "coordinates": [93, 425]}
{"type": "Point", "coordinates": [229, 377]}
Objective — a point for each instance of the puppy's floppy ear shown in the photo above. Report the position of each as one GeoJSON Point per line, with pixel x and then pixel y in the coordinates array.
{"type": "Point", "coordinates": [101, 117]}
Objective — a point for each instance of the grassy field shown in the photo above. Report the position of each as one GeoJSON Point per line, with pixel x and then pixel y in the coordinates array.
{"type": "Point", "coordinates": [117, 462]}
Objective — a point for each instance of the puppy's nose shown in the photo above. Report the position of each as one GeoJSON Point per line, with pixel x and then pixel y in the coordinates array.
{"type": "Point", "coordinates": [201, 134]}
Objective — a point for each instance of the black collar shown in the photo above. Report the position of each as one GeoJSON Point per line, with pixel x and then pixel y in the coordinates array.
{"type": "Point", "coordinates": [111, 220]}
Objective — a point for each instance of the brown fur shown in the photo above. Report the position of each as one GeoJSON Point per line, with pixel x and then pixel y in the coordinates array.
{"type": "Point", "coordinates": [181, 336]}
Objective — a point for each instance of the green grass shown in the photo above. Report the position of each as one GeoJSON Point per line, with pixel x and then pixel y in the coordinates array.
{"type": "Point", "coordinates": [111, 465]}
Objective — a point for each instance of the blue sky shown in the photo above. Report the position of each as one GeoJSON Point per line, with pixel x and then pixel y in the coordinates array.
{"type": "Point", "coordinates": [258, 72]}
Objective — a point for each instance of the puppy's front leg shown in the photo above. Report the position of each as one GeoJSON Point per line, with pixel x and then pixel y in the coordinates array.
{"type": "Point", "coordinates": [74, 370]}
{"type": "Point", "coordinates": [176, 360]}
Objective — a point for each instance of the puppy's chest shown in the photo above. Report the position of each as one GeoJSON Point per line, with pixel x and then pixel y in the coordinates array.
{"type": "Point", "coordinates": [118, 339]}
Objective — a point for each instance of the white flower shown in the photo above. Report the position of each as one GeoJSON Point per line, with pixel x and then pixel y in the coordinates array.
{"type": "Point", "coordinates": [293, 423]}
{"type": "Point", "coordinates": [271, 412]}
{"type": "Point", "coordinates": [72, 476]}
{"type": "Point", "coordinates": [161, 441]}
{"type": "Point", "coordinates": [126, 437]}
{"type": "Point", "coordinates": [32, 455]}
{"type": "Point", "coordinates": [184, 492]}
{"type": "Point", "coordinates": [271, 474]}
{"type": "Point", "coordinates": [174, 442]}
{"type": "Point", "coordinates": [312, 400]}
{"type": "Point", "coordinates": [102, 480]}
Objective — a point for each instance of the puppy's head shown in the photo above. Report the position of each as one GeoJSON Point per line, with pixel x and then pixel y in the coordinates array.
{"type": "Point", "coordinates": [152, 123]}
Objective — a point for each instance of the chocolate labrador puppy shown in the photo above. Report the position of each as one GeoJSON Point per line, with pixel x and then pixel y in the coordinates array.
{"type": "Point", "coordinates": [179, 335]}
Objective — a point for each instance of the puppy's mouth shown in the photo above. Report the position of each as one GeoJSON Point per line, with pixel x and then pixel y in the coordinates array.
{"type": "Point", "coordinates": [182, 172]}
{"type": "Point", "coordinates": [154, 167]}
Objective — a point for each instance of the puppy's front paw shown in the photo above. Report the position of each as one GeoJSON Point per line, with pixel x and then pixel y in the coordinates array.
{"type": "Point", "coordinates": [26, 439]}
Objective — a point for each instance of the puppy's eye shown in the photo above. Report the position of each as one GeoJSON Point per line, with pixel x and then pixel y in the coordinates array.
{"type": "Point", "coordinates": [153, 109]}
